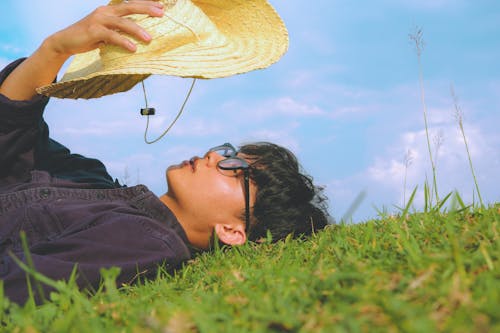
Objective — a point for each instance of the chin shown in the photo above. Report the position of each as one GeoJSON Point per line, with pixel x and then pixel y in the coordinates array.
{"type": "Point", "coordinates": [168, 173]}
{"type": "Point", "coordinates": [173, 167]}
{"type": "Point", "coordinates": [173, 175]}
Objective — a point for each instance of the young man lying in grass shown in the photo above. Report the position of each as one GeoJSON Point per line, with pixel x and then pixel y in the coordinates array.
{"type": "Point", "coordinates": [73, 213]}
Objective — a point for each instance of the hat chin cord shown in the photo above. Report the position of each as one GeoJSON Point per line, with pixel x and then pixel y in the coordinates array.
{"type": "Point", "coordinates": [147, 111]}
{"type": "Point", "coordinates": [150, 111]}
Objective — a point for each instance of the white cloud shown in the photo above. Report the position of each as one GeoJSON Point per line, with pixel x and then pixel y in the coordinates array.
{"type": "Point", "coordinates": [101, 117]}
{"type": "Point", "coordinates": [196, 126]}
{"type": "Point", "coordinates": [282, 136]}
{"type": "Point", "coordinates": [290, 106]}
{"type": "Point", "coordinates": [175, 154]}
{"type": "Point", "coordinates": [300, 78]}
{"type": "Point", "coordinates": [136, 168]}
{"type": "Point", "coordinates": [101, 129]}
{"type": "Point", "coordinates": [10, 49]}
{"type": "Point", "coordinates": [350, 110]}
{"type": "Point", "coordinates": [284, 106]}
{"type": "Point", "coordinates": [390, 172]}
{"type": "Point", "coordinates": [384, 178]}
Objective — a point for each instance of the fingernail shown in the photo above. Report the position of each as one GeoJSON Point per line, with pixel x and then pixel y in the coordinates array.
{"type": "Point", "coordinates": [146, 36]}
{"type": "Point", "coordinates": [157, 11]}
{"type": "Point", "coordinates": [131, 46]}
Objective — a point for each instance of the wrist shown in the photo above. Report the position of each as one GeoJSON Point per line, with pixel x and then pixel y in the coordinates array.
{"type": "Point", "coordinates": [52, 50]}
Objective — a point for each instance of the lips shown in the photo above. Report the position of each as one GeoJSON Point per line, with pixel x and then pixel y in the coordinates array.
{"type": "Point", "coordinates": [192, 163]}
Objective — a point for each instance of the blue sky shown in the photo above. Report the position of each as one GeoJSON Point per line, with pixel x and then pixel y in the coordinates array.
{"type": "Point", "coordinates": [345, 98]}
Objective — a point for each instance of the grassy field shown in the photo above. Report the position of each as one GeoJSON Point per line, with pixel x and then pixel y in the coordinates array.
{"type": "Point", "coordinates": [419, 272]}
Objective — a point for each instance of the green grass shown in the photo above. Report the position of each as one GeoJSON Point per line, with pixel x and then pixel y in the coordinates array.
{"type": "Point", "coordinates": [419, 272]}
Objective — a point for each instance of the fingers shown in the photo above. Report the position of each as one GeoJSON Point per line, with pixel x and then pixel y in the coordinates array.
{"type": "Point", "coordinates": [151, 8]}
{"type": "Point", "coordinates": [115, 38]}
{"type": "Point", "coordinates": [114, 20]}
{"type": "Point", "coordinates": [117, 25]}
{"type": "Point", "coordinates": [103, 26]}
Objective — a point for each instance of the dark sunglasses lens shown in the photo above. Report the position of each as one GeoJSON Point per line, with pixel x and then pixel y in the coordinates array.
{"type": "Point", "coordinates": [232, 163]}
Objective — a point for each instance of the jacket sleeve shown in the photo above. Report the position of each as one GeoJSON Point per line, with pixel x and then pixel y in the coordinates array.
{"type": "Point", "coordinates": [25, 145]}
{"type": "Point", "coordinates": [20, 123]}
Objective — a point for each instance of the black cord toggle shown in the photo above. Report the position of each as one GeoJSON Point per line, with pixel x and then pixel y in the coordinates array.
{"type": "Point", "coordinates": [148, 111]}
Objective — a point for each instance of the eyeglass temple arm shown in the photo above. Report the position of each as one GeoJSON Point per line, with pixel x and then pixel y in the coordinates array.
{"type": "Point", "coordinates": [226, 146]}
{"type": "Point", "coordinates": [247, 201]}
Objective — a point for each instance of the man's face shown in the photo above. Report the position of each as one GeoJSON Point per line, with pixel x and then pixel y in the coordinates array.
{"type": "Point", "coordinates": [212, 197]}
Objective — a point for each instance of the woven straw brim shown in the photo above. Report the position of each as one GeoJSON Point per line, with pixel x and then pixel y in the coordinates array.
{"type": "Point", "coordinates": [200, 39]}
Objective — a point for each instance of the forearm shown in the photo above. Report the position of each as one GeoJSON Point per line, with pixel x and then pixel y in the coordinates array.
{"type": "Point", "coordinates": [106, 24]}
{"type": "Point", "coordinates": [38, 70]}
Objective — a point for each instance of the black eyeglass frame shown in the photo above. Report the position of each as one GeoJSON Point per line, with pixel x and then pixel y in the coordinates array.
{"type": "Point", "coordinates": [229, 152]}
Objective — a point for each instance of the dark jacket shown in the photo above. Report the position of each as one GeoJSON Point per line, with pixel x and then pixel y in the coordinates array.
{"type": "Point", "coordinates": [72, 211]}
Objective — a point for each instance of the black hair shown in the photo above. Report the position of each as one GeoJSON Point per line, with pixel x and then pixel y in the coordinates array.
{"type": "Point", "coordinates": [287, 201]}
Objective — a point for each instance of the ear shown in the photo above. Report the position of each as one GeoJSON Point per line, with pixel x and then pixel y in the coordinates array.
{"type": "Point", "coordinates": [231, 234]}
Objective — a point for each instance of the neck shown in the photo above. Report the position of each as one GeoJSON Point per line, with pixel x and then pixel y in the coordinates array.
{"type": "Point", "coordinates": [197, 237]}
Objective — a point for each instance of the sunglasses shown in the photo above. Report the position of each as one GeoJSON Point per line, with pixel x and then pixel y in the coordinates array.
{"type": "Point", "coordinates": [229, 166]}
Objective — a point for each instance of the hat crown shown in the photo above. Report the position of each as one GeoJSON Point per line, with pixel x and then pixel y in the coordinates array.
{"type": "Point", "coordinates": [182, 24]}
{"type": "Point", "coordinates": [195, 38]}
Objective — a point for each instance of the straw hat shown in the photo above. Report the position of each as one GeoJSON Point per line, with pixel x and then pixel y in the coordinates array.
{"type": "Point", "coordinates": [195, 38]}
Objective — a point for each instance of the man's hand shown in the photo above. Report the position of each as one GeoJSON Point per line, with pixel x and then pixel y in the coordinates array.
{"type": "Point", "coordinates": [102, 26]}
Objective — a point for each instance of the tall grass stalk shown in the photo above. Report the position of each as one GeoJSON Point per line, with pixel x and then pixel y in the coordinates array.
{"type": "Point", "coordinates": [347, 217]}
{"type": "Point", "coordinates": [438, 142]}
{"type": "Point", "coordinates": [417, 38]}
{"type": "Point", "coordinates": [459, 117]}
{"type": "Point", "coordinates": [408, 159]}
